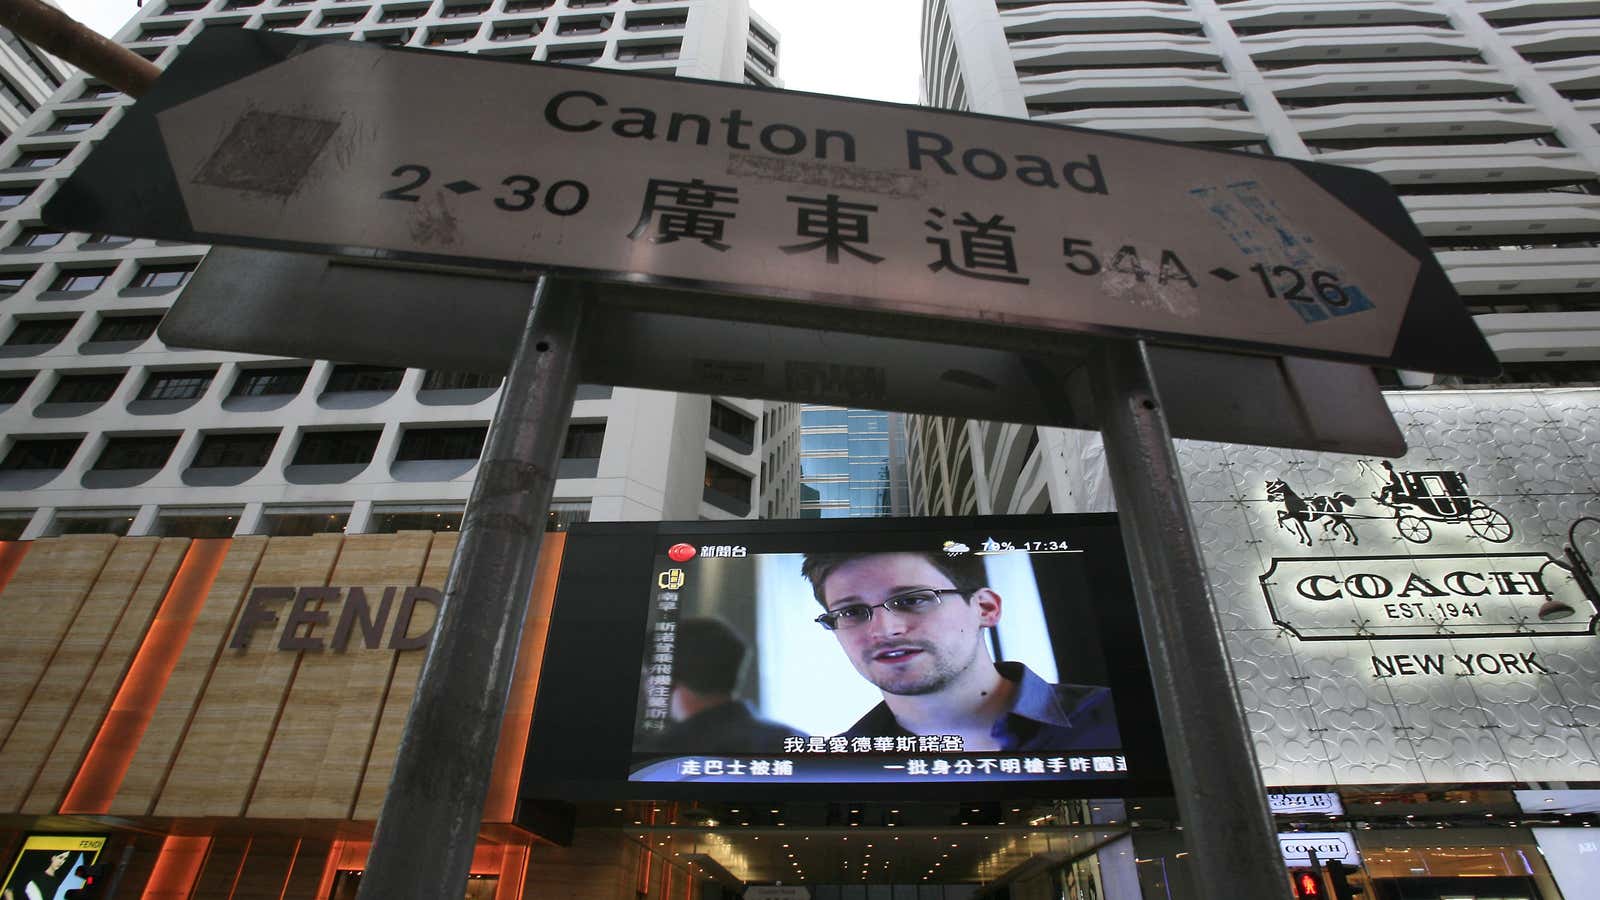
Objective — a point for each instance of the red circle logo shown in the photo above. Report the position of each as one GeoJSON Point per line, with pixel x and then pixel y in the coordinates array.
{"type": "Point", "coordinates": [681, 552]}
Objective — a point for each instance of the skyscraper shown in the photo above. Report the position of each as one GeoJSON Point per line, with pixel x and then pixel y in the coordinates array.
{"type": "Point", "coordinates": [1482, 115]}
{"type": "Point", "coordinates": [850, 462]}
{"type": "Point", "coordinates": [108, 430]}
{"type": "Point", "coordinates": [27, 79]}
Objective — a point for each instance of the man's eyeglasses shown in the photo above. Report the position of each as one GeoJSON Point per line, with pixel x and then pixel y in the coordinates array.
{"type": "Point", "coordinates": [911, 603]}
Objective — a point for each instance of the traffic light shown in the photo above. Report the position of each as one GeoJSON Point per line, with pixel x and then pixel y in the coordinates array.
{"type": "Point", "coordinates": [95, 879]}
{"type": "Point", "coordinates": [1307, 884]}
{"type": "Point", "coordinates": [1338, 884]}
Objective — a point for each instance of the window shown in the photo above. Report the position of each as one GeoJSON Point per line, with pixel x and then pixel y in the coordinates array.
{"type": "Point", "coordinates": [26, 53]}
{"type": "Point", "coordinates": [233, 451]}
{"type": "Point", "coordinates": [389, 521]}
{"type": "Point", "coordinates": [575, 57]}
{"type": "Point", "coordinates": [38, 237]}
{"type": "Point", "coordinates": [585, 25]}
{"type": "Point", "coordinates": [41, 453]}
{"type": "Point", "coordinates": [165, 276]}
{"type": "Point", "coordinates": [136, 452]}
{"type": "Point", "coordinates": [564, 513]}
{"type": "Point", "coordinates": [270, 382]}
{"type": "Point", "coordinates": [515, 32]}
{"type": "Point", "coordinates": [336, 448]}
{"type": "Point", "coordinates": [656, 21]}
{"type": "Point", "coordinates": [79, 522]}
{"type": "Point", "coordinates": [516, 6]}
{"type": "Point", "coordinates": [441, 443]}
{"type": "Point", "coordinates": [396, 39]}
{"type": "Point", "coordinates": [446, 380]}
{"type": "Point", "coordinates": [588, 4]}
{"type": "Point", "coordinates": [727, 488]}
{"type": "Point", "coordinates": [39, 332]}
{"type": "Point", "coordinates": [282, 24]}
{"type": "Point", "coordinates": [11, 282]}
{"type": "Point", "coordinates": [299, 524]}
{"type": "Point", "coordinates": [10, 198]}
{"type": "Point", "coordinates": [191, 525]}
{"type": "Point", "coordinates": [100, 238]}
{"type": "Point", "coordinates": [341, 20]}
{"type": "Point", "coordinates": [463, 11]}
{"type": "Point", "coordinates": [125, 328]}
{"type": "Point", "coordinates": [72, 124]}
{"type": "Point", "coordinates": [438, 37]}
{"type": "Point", "coordinates": [642, 52]}
{"type": "Point", "coordinates": [400, 15]}
{"type": "Point", "coordinates": [349, 378]}
{"type": "Point", "coordinates": [80, 279]}
{"type": "Point", "coordinates": [732, 429]}
{"type": "Point", "coordinates": [173, 9]}
{"type": "Point", "coordinates": [38, 159]}
{"type": "Point", "coordinates": [165, 33]}
{"type": "Point", "coordinates": [761, 38]}
{"type": "Point", "coordinates": [92, 388]}
{"type": "Point", "coordinates": [241, 4]}
{"type": "Point", "coordinates": [583, 441]}
{"type": "Point", "coordinates": [175, 385]}
{"type": "Point", "coordinates": [13, 386]}
{"type": "Point", "coordinates": [15, 97]}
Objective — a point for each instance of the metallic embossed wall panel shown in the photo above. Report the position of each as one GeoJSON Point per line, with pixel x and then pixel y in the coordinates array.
{"type": "Point", "coordinates": [1395, 702]}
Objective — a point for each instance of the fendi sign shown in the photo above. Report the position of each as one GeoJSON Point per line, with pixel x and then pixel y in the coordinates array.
{"type": "Point", "coordinates": [307, 615]}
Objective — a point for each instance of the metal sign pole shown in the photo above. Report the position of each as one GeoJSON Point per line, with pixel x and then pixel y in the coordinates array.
{"type": "Point", "coordinates": [1229, 831]}
{"type": "Point", "coordinates": [428, 827]}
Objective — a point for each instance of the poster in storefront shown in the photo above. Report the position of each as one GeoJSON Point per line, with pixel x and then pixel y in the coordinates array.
{"type": "Point", "coordinates": [46, 866]}
{"type": "Point", "coordinates": [1416, 620]}
{"type": "Point", "coordinates": [918, 652]}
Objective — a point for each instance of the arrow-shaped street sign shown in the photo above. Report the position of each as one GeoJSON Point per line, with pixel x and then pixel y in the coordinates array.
{"type": "Point", "coordinates": [340, 148]}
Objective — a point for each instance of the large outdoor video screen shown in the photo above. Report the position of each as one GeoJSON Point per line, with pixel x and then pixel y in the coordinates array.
{"type": "Point", "coordinates": [881, 652]}
{"type": "Point", "coordinates": [46, 868]}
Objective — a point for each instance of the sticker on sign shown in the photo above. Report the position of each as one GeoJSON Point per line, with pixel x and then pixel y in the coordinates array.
{"type": "Point", "coordinates": [341, 148]}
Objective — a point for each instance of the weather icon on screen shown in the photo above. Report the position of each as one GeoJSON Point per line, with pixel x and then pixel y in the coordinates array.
{"type": "Point", "coordinates": [955, 548]}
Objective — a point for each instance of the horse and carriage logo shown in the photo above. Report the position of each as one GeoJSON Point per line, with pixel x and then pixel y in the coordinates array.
{"type": "Point", "coordinates": [1411, 500]}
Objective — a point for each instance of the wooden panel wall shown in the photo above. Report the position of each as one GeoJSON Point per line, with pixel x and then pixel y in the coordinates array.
{"type": "Point", "coordinates": [75, 612]}
{"type": "Point", "coordinates": [402, 687]}
{"type": "Point", "coordinates": [259, 732]}
{"type": "Point", "coordinates": [153, 760]}
{"type": "Point", "coordinates": [319, 751]}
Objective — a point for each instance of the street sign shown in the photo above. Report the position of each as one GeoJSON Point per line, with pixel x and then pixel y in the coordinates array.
{"type": "Point", "coordinates": [342, 148]}
{"type": "Point", "coordinates": [649, 337]}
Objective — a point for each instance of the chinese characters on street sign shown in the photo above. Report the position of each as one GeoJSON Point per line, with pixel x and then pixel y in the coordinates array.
{"type": "Point", "coordinates": [339, 148]}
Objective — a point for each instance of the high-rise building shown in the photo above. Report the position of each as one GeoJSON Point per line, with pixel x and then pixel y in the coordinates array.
{"type": "Point", "coordinates": [1482, 115]}
{"type": "Point", "coordinates": [850, 461]}
{"type": "Point", "coordinates": [108, 430]}
{"type": "Point", "coordinates": [27, 79]}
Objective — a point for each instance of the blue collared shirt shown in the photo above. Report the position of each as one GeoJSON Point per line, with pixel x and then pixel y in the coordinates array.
{"type": "Point", "coordinates": [1043, 716]}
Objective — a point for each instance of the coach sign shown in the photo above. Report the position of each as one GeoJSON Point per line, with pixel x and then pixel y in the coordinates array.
{"type": "Point", "coordinates": [301, 618]}
{"type": "Point", "coordinates": [1423, 597]}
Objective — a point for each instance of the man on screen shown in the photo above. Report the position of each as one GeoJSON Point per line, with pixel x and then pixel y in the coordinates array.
{"type": "Point", "coordinates": [707, 716]}
{"type": "Point", "coordinates": [912, 624]}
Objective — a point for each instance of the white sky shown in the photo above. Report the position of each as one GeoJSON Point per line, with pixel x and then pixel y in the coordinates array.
{"type": "Point", "coordinates": [876, 57]}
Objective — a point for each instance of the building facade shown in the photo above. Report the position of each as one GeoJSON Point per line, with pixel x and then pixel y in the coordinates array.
{"type": "Point", "coordinates": [1483, 117]}
{"type": "Point", "coordinates": [851, 462]}
{"type": "Point", "coordinates": [28, 77]}
{"type": "Point", "coordinates": [108, 430]}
